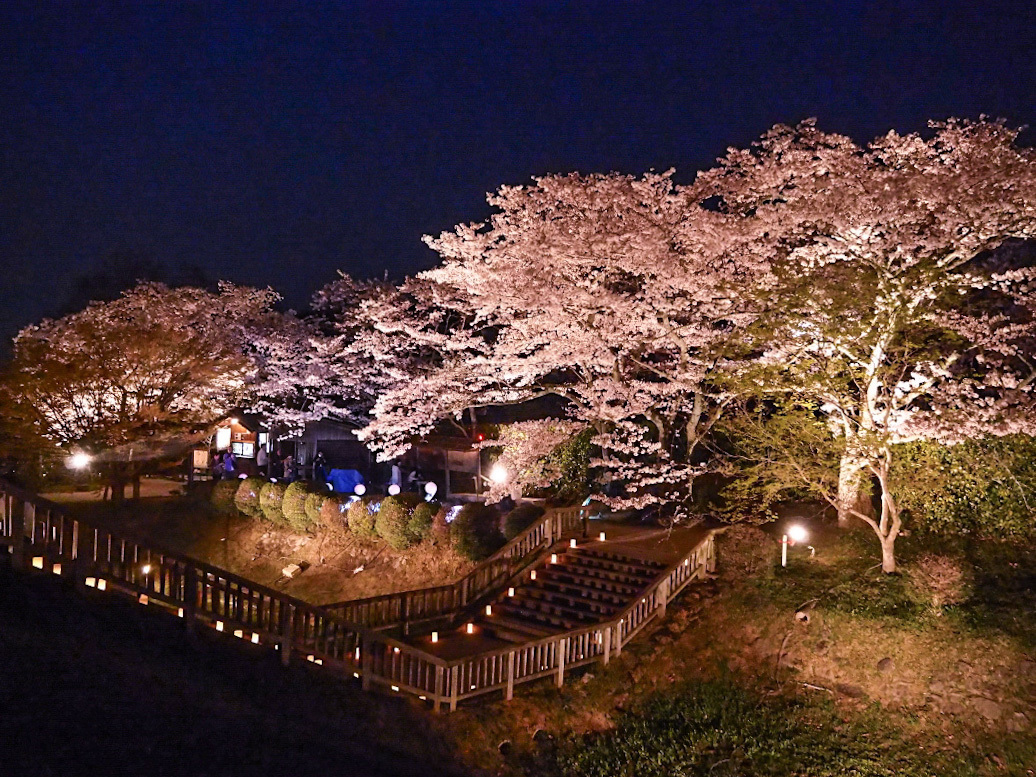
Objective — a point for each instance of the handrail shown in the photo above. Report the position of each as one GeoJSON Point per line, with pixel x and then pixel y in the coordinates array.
{"type": "Point", "coordinates": [102, 559]}
{"type": "Point", "coordinates": [426, 604]}
{"type": "Point", "coordinates": [503, 668]}
{"type": "Point", "coordinates": [42, 536]}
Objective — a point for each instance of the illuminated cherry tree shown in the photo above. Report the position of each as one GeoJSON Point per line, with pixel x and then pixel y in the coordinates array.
{"type": "Point", "coordinates": [888, 311]}
{"type": "Point", "coordinates": [612, 293]}
{"type": "Point", "coordinates": [125, 380]}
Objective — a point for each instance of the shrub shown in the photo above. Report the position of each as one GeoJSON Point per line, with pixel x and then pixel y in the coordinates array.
{"type": "Point", "coordinates": [334, 510]}
{"type": "Point", "coordinates": [362, 514]}
{"type": "Point", "coordinates": [475, 532]}
{"type": "Point", "coordinates": [392, 522]}
{"type": "Point", "coordinates": [247, 496]}
{"type": "Point", "coordinates": [520, 519]}
{"type": "Point", "coordinates": [293, 506]}
{"type": "Point", "coordinates": [314, 506]}
{"type": "Point", "coordinates": [943, 578]}
{"type": "Point", "coordinates": [270, 498]}
{"type": "Point", "coordinates": [421, 522]}
{"type": "Point", "coordinates": [222, 496]}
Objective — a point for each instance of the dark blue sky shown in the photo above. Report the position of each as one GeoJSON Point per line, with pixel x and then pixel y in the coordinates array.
{"type": "Point", "coordinates": [273, 145]}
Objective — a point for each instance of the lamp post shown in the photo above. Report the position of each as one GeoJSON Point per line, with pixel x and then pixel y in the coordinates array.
{"type": "Point", "coordinates": [795, 533]}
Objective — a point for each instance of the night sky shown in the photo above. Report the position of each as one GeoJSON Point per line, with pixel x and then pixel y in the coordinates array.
{"type": "Point", "coordinates": [275, 146]}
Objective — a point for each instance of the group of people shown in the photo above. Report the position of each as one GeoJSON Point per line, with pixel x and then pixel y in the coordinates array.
{"type": "Point", "coordinates": [225, 466]}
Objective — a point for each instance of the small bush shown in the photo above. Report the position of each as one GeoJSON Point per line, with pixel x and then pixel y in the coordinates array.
{"type": "Point", "coordinates": [270, 498]}
{"type": "Point", "coordinates": [293, 506]}
{"type": "Point", "coordinates": [246, 498]}
{"type": "Point", "coordinates": [747, 550]}
{"type": "Point", "coordinates": [392, 522]}
{"type": "Point", "coordinates": [222, 496]}
{"type": "Point", "coordinates": [943, 578]}
{"type": "Point", "coordinates": [334, 511]}
{"type": "Point", "coordinates": [362, 514]}
{"type": "Point", "coordinates": [421, 522]}
{"type": "Point", "coordinates": [475, 532]}
{"type": "Point", "coordinates": [520, 519]}
{"type": "Point", "coordinates": [314, 505]}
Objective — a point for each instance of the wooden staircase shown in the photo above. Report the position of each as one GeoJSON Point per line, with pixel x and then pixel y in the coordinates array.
{"type": "Point", "coordinates": [584, 586]}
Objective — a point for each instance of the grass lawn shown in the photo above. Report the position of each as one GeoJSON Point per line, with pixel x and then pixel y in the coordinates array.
{"type": "Point", "coordinates": [879, 681]}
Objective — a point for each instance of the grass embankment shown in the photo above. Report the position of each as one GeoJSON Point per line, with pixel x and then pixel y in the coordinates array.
{"type": "Point", "coordinates": [95, 684]}
{"type": "Point", "coordinates": [256, 549]}
{"type": "Point", "coordinates": [930, 672]}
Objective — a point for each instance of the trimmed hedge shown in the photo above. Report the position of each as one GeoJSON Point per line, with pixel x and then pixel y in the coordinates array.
{"type": "Point", "coordinates": [293, 506]}
{"type": "Point", "coordinates": [270, 498]}
{"type": "Point", "coordinates": [247, 496]}
{"type": "Point", "coordinates": [362, 514]}
{"type": "Point", "coordinates": [520, 519]}
{"type": "Point", "coordinates": [334, 510]}
{"type": "Point", "coordinates": [392, 523]}
{"type": "Point", "coordinates": [475, 532]}
{"type": "Point", "coordinates": [222, 495]}
{"type": "Point", "coordinates": [421, 522]}
{"type": "Point", "coordinates": [314, 505]}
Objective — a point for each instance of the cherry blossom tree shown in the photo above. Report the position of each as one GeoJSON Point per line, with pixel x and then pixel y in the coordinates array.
{"type": "Point", "coordinates": [888, 312]}
{"type": "Point", "coordinates": [613, 293]}
{"type": "Point", "coordinates": [137, 378]}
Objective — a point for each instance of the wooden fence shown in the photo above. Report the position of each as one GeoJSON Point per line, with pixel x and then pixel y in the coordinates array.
{"type": "Point", "coordinates": [426, 604]}
{"type": "Point", "coordinates": [41, 536]}
{"type": "Point", "coordinates": [446, 683]}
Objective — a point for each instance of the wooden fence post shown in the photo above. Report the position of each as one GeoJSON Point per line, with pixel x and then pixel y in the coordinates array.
{"type": "Point", "coordinates": [509, 691]}
{"type": "Point", "coordinates": [662, 596]}
{"type": "Point", "coordinates": [454, 686]}
{"type": "Point", "coordinates": [617, 642]}
{"type": "Point", "coordinates": [562, 648]}
{"type": "Point", "coordinates": [80, 565]}
{"type": "Point", "coordinates": [437, 701]}
{"type": "Point", "coordinates": [366, 663]}
{"type": "Point", "coordinates": [710, 562]}
{"type": "Point", "coordinates": [17, 519]}
{"type": "Point", "coordinates": [287, 631]}
{"type": "Point", "coordinates": [607, 637]}
{"type": "Point", "coordinates": [190, 596]}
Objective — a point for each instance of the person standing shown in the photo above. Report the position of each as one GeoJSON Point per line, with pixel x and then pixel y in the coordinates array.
{"type": "Point", "coordinates": [229, 465]}
{"type": "Point", "coordinates": [262, 460]}
{"type": "Point", "coordinates": [320, 468]}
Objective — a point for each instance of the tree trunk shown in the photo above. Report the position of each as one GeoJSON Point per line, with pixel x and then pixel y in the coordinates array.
{"type": "Point", "coordinates": [854, 490]}
{"type": "Point", "coordinates": [118, 484]}
{"type": "Point", "coordinates": [888, 554]}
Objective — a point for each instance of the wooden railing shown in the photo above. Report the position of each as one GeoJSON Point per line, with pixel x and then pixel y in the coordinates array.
{"type": "Point", "coordinates": [98, 558]}
{"type": "Point", "coordinates": [450, 682]}
{"type": "Point", "coordinates": [425, 604]}
{"type": "Point", "coordinates": [41, 536]}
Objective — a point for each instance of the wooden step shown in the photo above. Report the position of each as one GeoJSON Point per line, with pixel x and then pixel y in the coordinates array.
{"type": "Point", "coordinates": [564, 609]}
{"type": "Point", "coordinates": [586, 603]}
{"type": "Point", "coordinates": [516, 630]}
{"type": "Point", "coordinates": [597, 595]}
{"type": "Point", "coordinates": [608, 584]}
{"type": "Point", "coordinates": [605, 551]}
{"type": "Point", "coordinates": [597, 573]}
{"type": "Point", "coordinates": [599, 562]}
{"type": "Point", "coordinates": [542, 619]}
